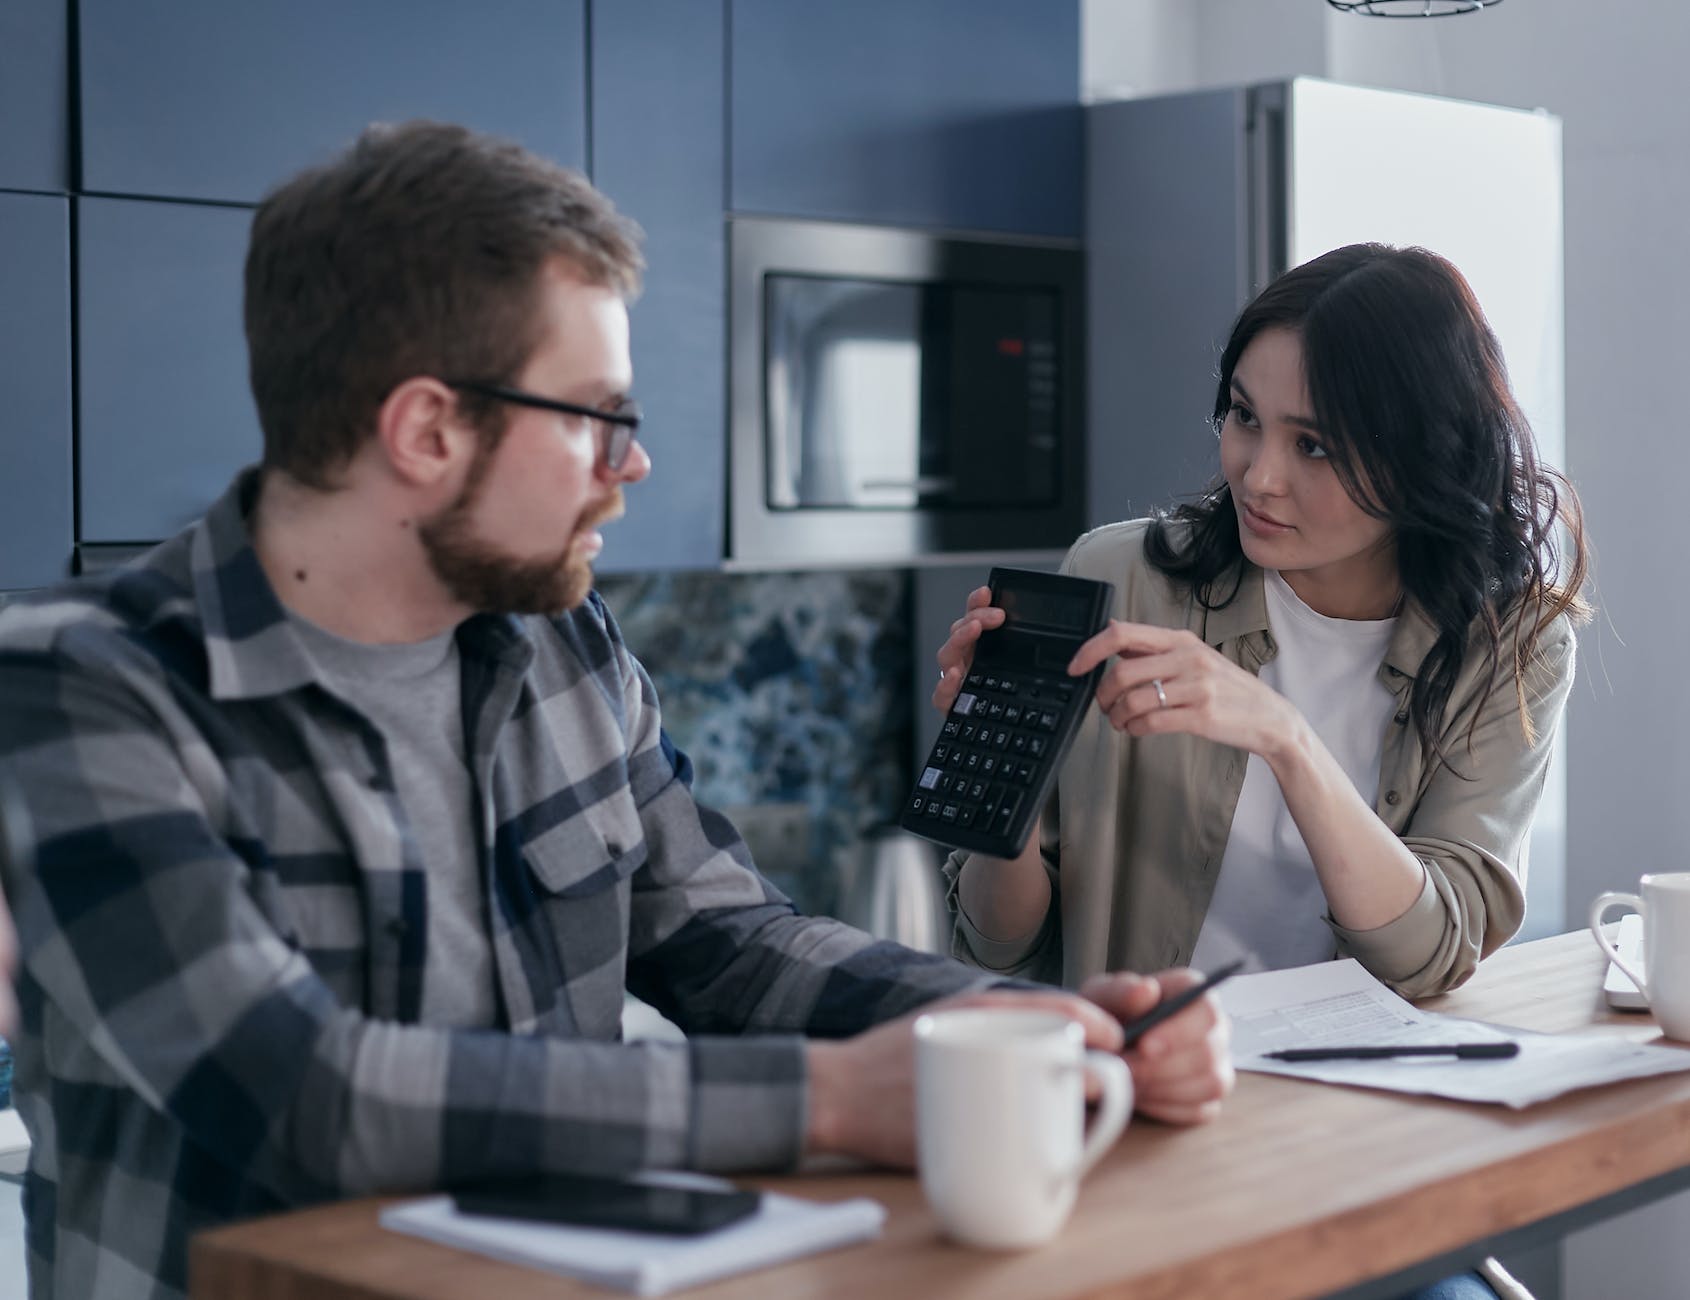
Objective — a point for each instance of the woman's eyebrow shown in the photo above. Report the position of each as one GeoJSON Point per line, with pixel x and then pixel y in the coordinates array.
{"type": "Point", "coordinates": [1301, 421]}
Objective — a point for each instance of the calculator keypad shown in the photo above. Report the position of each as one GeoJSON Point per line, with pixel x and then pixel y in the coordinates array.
{"type": "Point", "coordinates": [990, 750]}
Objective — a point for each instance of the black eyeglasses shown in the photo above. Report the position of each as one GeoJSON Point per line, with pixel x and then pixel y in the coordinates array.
{"type": "Point", "coordinates": [619, 425]}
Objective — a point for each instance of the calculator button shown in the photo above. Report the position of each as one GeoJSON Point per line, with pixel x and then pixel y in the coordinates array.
{"type": "Point", "coordinates": [995, 711]}
{"type": "Point", "coordinates": [1026, 774]}
{"type": "Point", "coordinates": [1047, 720]}
{"type": "Point", "coordinates": [966, 817]}
{"type": "Point", "coordinates": [1007, 810]}
{"type": "Point", "coordinates": [933, 807]}
{"type": "Point", "coordinates": [1018, 743]}
{"type": "Point", "coordinates": [977, 791]}
{"type": "Point", "coordinates": [973, 679]}
{"type": "Point", "coordinates": [930, 778]}
{"type": "Point", "coordinates": [948, 814]}
{"type": "Point", "coordinates": [940, 753]}
{"type": "Point", "coordinates": [950, 729]}
{"type": "Point", "coordinates": [968, 733]}
{"type": "Point", "coordinates": [918, 805]}
{"type": "Point", "coordinates": [988, 765]}
{"type": "Point", "coordinates": [1012, 713]}
{"type": "Point", "coordinates": [991, 683]}
{"type": "Point", "coordinates": [1000, 739]}
{"type": "Point", "coordinates": [971, 763]}
{"type": "Point", "coordinates": [1008, 685]}
{"type": "Point", "coordinates": [964, 704]}
{"type": "Point", "coordinates": [1036, 746]}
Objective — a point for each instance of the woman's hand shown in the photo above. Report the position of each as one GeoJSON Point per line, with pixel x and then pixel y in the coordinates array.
{"type": "Point", "coordinates": [1201, 692]}
{"type": "Point", "coordinates": [957, 654]}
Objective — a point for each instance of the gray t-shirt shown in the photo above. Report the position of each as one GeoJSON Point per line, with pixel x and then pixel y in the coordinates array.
{"type": "Point", "coordinates": [411, 693]}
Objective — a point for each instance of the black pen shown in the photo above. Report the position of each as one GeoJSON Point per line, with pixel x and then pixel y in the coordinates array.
{"type": "Point", "coordinates": [1134, 1030]}
{"type": "Point", "coordinates": [1461, 1051]}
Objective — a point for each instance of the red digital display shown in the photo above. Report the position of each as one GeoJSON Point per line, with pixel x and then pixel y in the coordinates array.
{"type": "Point", "coordinates": [1012, 347]}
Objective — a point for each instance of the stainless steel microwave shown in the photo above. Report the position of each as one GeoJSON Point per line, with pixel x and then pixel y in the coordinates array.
{"type": "Point", "coordinates": [899, 395]}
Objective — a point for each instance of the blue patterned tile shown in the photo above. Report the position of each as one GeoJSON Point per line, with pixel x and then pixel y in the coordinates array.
{"type": "Point", "coordinates": [783, 688]}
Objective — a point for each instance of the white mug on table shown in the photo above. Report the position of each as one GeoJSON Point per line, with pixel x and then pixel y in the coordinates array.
{"type": "Point", "coordinates": [1001, 1134]}
{"type": "Point", "coordinates": [1663, 901]}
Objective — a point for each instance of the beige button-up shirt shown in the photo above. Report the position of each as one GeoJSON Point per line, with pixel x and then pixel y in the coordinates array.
{"type": "Point", "coordinates": [1134, 836]}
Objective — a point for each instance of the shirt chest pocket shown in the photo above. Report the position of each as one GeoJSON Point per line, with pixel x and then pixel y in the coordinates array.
{"type": "Point", "coordinates": [589, 850]}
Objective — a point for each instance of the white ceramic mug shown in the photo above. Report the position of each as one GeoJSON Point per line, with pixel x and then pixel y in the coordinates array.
{"type": "Point", "coordinates": [1664, 903]}
{"type": "Point", "coordinates": [1001, 1120]}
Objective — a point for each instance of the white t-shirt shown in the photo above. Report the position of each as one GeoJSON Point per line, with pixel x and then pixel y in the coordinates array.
{"type": "Point", "coordinates": [1268, 906]}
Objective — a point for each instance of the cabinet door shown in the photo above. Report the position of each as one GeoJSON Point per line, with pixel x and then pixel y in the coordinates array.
{"type": "Point", "coordinates": [658, 152]}
{"type": "Point", "coordinates": [209, 99]}
{"type": "Point", "coordinates": [34, 98]}
{"type": "Point", "coordinates": [166, 416]}
{"type": "Point", "coordinates": [949, 113]}
{"type": "Point", "coordinates": [35, 437]}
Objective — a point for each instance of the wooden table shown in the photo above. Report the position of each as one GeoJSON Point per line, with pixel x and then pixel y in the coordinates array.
{"type": "Point", "coordinates": [1299, 1189]}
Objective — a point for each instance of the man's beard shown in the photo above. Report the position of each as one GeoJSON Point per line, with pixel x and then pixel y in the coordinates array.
{"type": "Point", "coordinates": [478, 574]}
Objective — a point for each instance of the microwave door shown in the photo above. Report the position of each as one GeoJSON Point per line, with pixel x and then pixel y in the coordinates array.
{"type": "Point", "coordinates": [845, 371]}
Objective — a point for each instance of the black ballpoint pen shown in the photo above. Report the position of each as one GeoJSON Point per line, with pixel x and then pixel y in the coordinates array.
{"type": "Point", "coordinates": [1461, 1051]}
{"type": "Point", "coordinates": [1133, 1030]}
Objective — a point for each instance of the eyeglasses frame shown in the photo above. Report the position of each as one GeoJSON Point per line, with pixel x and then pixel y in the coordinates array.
{"type": "Point", "coordinates": [621, 426]}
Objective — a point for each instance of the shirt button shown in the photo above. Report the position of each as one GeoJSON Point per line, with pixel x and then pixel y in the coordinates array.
{"type": "Point", "coordinates": [1392, 798]}
{"type": "Point", "coordinates": [1402, 717]}
{"type": "Point", "coordinates": [613, 848]}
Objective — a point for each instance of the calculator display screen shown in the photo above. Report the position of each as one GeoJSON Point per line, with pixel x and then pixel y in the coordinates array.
{"type": "Point", "coordinates": [1045, 609]}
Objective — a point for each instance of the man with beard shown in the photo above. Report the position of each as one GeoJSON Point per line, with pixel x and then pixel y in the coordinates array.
{"type": "Point", "coordinates": [355, 816]}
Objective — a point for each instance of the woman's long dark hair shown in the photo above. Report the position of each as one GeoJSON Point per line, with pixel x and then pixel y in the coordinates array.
{"type": "Point", "coordinates": [1412, 399]}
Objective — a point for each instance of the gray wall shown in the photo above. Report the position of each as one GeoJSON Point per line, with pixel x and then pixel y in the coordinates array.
{"type": "Point", "coordinates": [1614, 74]}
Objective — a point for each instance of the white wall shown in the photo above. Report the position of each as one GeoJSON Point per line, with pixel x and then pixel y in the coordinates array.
{"type": "Point", "coordinates": [1616, 75]}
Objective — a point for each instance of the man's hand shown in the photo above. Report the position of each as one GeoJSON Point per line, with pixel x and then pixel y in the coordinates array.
{"type": "Point", "coordinates": [1181, 1068]}
{"type": "Point", "coordinates": [862, 1089]}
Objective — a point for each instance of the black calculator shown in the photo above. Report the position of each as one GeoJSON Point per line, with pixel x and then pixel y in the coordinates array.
{"type": "Point", "coordinates": [995, 760]}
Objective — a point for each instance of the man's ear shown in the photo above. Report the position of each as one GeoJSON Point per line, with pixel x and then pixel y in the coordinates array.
{"type": "Point", "coordinates": [420, 433]}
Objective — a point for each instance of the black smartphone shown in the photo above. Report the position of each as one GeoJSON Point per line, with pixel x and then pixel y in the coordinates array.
{"type": "Point", "coordinates": [607, 1203]}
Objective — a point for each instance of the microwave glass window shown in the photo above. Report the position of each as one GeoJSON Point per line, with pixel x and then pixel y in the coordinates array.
{"type": "Point", "coordinates": [886, 395]}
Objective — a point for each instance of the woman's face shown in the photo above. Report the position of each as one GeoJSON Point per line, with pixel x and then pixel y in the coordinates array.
{"type": "Point", "coordinates": [1293, 512]}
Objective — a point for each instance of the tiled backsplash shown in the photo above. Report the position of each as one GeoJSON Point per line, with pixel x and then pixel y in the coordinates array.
{"type": "Point", "coordinates": [783, 688]}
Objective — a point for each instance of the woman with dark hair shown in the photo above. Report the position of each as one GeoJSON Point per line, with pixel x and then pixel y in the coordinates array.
{"type": "Point", "coordinates": [1337, 675]}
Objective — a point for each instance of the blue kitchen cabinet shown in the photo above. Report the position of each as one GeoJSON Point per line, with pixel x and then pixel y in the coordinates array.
{"type": "Point", "coordinates": [207, 99]}
{"type": "Point", "coordinates": [658, 148]}
{"type": "Point", "coordinates": [34, 95]}
{"type": "Point", "coordinates": [948, 113]}
{"type": "Point", "coordinates": [36, 523]}
{"type": "Point", "coordinates": [166, 416]}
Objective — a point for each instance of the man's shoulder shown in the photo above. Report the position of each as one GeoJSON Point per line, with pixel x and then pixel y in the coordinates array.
{"type": "Point", "coordinates": [145, 607]}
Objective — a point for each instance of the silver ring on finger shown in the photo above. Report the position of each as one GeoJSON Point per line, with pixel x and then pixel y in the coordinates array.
{"type": "Point", "coordinates": [1161, 695]}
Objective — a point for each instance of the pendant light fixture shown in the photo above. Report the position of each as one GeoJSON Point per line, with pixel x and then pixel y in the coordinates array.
{"type": "Point", "coordinates": [1411, 8]}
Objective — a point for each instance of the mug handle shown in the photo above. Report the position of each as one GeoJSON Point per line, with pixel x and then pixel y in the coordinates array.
{"type": "Point", "coordinates": [1615, 898]}
{"type": "Point", "coordinates": [1112, 1113]}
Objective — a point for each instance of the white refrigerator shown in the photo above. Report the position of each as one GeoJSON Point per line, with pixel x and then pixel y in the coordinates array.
{"type": "Point", "coordinates": [1196, 200]}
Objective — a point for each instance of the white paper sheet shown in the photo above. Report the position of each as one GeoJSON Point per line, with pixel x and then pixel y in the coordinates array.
{"type": "Point", "coordinates": [1333, 1004]}
{"type": "Point", "coordinates": [783, 1228]}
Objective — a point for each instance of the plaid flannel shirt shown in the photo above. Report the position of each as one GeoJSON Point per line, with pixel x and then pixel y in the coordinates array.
{"type": "Point", "coordinates": [224, 936]}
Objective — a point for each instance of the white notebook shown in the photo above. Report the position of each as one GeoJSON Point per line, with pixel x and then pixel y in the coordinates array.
{"type": "Point", "coordinates": [782, 1228]}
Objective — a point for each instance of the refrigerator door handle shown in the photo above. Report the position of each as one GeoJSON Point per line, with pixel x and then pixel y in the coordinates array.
{"type": "Point", "coordinates": [1267, 189]}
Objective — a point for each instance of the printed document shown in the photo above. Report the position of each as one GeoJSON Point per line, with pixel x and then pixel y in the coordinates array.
{"type": "Point", "coordinates": [1338, 1004]}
